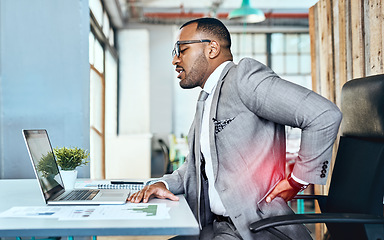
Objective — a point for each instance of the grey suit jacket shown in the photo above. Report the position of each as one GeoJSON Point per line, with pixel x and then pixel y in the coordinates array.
{"type": "Point", "coordinates": [250, 107]}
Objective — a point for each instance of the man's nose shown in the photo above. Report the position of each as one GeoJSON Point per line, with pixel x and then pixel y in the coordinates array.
{"type": "Point", "coordinates": [175, 60]}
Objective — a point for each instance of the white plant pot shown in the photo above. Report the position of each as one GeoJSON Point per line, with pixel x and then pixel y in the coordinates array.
{"type": "Point", "coordinates": [69, 178]}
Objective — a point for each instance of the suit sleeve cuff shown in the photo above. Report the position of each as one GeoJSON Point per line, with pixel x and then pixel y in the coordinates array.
{"type": "Point", "coordinates": [150, 182]}
{"type": "Point", "coordinates": [299, 180]}
{"type": "Point", "coordinates": [165, 183]}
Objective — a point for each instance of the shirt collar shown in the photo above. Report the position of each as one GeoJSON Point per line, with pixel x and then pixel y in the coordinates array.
{"type": "Point", "coordinates": [212, 80]}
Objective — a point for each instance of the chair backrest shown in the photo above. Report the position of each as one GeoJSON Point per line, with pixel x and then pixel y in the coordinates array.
{"type": "Point", "coordinates": [165, 151]}
{"type": "Point", "coordinates": [357, 184]}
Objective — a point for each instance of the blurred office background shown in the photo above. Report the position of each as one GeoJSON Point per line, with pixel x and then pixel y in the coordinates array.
{"type": "Point", "coordinates": [97, 74]}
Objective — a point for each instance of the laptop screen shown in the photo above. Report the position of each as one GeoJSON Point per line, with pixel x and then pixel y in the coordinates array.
{"type": "Point", "coordinates": [43, 159]}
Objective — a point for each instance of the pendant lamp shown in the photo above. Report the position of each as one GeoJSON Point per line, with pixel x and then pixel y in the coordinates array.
{"type": "Point", "coordinates": [247, 14]}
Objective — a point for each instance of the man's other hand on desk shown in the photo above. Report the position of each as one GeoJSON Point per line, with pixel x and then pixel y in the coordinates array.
{"type": "Point", "coordinates": [157, 190]}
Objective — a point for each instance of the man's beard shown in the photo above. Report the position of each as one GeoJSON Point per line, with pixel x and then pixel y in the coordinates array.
{"type": "Point", "coordinates": [197, 73]}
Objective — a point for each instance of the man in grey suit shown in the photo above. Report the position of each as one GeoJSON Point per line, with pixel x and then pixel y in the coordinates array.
{"type": "Point", "coordinates": [235, 171]}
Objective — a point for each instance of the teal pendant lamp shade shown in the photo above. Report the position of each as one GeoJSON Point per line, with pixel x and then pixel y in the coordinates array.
{"type": "Point", "coordinates": [247, 14]}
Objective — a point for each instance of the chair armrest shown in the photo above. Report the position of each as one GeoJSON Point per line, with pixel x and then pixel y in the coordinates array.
{"type": "Point", "coordinates": [315, 218]}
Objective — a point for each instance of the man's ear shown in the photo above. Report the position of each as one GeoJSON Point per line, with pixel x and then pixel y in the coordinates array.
{"type": "Point", "coordinates": [214, 49]}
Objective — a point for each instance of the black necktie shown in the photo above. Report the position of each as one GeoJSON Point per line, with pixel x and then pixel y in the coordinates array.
{"type": "Point", "coordinates": [198, 118]}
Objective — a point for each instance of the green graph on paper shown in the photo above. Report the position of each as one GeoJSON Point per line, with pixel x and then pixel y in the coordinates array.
{"type": "Point", "coordinates": [150, 210]}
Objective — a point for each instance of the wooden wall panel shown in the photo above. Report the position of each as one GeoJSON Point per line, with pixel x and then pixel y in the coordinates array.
{"type": "Point", "coordinates": [366, 10]}
{"type": "Point", "coordinates": [382, 34]}
{"type": "Point", "coordinates": [348, 24]}
{"type": "Point", "coordinates": [336, 49]}
{"type": "Point", "coordinates": [322, 47]}
{"type": "Point", "coordinates": [347, 42]}
{"type": "Point", "coordinates": [325, 29]}
{"type": "Point", "coordinates": [313, 35]}
{"type": "Point", "coordinates": [342, 76]}
{"type": "Point", "coordinates": [375, 47]}
{"type": "Point", "coordinates": [357, 33]}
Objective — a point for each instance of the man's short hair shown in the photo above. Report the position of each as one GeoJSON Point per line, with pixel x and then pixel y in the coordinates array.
{"type": "Point", "coordinates": [214, 27]}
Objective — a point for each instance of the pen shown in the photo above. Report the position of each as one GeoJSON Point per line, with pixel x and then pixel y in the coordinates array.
{"type": "Point", "coordinates": [126, 182]}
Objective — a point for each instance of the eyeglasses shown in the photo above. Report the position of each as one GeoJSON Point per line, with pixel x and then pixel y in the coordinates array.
{"type": "Point", "coordinates": [176, 49]}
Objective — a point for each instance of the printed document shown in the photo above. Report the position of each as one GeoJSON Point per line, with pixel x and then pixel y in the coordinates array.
{"type": "Point", "coordinates": [129, 211]}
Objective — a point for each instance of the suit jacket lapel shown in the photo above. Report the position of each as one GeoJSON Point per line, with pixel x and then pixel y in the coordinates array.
{"type": "Point", "coordinates": [212, 114]}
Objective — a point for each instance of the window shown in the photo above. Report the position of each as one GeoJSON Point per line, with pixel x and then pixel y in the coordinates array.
{"type": "Point", "coordinates": [249, 45]}
{"type": "Point", "coordinates": [103, 86]}
{"type": "Point", "coordinates": [288, 54]}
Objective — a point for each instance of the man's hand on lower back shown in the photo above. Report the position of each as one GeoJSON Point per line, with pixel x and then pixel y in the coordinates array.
{"type": "Point", "coordinates": [284, 190]}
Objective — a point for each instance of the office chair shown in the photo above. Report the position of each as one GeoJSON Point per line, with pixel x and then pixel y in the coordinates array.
{"type": "Point", "coordinates": [165, 150]}
{"type": "Point", "coordinates": [353, 208]}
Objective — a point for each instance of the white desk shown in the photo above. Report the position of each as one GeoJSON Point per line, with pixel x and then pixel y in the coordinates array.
{"type": "Point", "coordinates": [26, 193]}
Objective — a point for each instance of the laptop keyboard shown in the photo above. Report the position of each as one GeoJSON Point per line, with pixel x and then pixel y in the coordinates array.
{"type": "Point", "coordinates": [80, 195]}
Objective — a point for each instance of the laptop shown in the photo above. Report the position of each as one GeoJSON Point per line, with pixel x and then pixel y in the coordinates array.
{"type": "Point", "coordinates": [50, 181]}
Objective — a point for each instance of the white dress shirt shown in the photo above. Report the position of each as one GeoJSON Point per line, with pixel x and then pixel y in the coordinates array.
{"type": "Point", "coordinates": [216, 204]}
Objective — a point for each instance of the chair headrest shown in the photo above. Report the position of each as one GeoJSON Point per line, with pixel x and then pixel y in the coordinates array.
{"type": "Point", "coordinates": [362, 105]}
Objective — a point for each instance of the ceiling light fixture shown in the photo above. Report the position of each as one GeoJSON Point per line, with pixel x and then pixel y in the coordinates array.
{"type": "Point", "coordinates": [247, 14]}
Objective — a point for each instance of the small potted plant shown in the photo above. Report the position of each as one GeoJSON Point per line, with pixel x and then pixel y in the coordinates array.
{"type": "Point", "coordinates": [68, 160]}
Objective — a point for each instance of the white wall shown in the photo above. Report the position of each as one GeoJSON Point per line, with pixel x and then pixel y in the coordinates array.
{"type": "Point", "coordinates": [44, 78]}
{"type": "Point", "coordinates": [147, 97]}
{"type": "Point", "coordinates": [161, 77]}
{"type": "Point", "coordinates": [134, 81]}
{"type": "Point", "coordinates": [128, 154]}
{"type": "Point", "coordinates": [150, 58]}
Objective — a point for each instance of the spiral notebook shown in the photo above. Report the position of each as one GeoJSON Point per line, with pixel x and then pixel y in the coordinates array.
{"type": "Point", "coordinates": [133, 186]}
